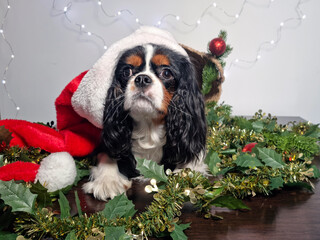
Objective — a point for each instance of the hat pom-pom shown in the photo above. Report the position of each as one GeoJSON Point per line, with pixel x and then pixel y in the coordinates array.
{"type": "Point", "coordinates": [58, 170]}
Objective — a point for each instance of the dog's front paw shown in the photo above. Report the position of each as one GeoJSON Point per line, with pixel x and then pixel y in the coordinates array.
{"type": "Point", "coordinates": [106, 182]}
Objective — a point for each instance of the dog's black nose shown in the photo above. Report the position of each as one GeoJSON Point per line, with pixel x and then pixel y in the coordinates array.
{"type": "Point", "coordinates": [142, 81]}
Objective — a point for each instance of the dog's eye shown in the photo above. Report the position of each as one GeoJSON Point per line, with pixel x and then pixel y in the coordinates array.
{"type": "Point", "coordinates": [127, 72]}
{"type": "Point", "coordinates": [166, 74]}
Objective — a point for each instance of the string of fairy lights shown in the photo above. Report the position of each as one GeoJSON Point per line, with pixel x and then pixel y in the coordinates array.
{"type": "Point", "coordinates": [230, 18]}
{"type": "Point", "coordinates": [247, 63]}
{"type": "Point", "coordinates": [11, 58]}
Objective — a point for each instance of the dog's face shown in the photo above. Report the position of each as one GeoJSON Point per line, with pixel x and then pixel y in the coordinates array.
{"type": "Point", "coordinates": [149, 76]}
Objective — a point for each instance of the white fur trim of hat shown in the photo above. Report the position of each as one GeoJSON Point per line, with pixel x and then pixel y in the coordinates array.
{"type": "Point", "coordinates": [88, 100]}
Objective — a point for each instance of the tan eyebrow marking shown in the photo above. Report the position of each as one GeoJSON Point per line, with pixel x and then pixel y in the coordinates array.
{"type": "Point", "coordinates": [134, 60]}
{"type": "Point", "coordinates": [160, 59]}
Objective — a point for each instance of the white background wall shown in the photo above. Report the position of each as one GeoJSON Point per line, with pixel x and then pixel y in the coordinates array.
{"type": "Point", "coordinates": [49, 51]}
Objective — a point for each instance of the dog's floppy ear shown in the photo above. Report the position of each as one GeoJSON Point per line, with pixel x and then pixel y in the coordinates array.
{"type": "Point", "coordinates": [116, 126]}
{"type": "Point", "coordinates": [117, 131]}
{"type": "Point", "coordinates": [199, 60]}
{"type": "Point", "coordinates": [185, 121]}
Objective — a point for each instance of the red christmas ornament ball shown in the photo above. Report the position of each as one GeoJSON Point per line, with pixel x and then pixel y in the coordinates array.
{"type": "Point", "coordinates": [217, 46]}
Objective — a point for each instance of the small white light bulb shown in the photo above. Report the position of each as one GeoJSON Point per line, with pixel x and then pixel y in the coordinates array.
{"type": "Point", "coordinates": [89, 33]}
{"type": "Point", "coordinates": [137, 20]}
{"type": "Point", "coordinates": [18, 108]}
{"type": "Point", "coordinates": [153, 182]}
{"type": "Point", "coordinates": [237, 60]}
{"type": "Point", "coordinates": [12, 56]}
{"type": "Point", "coordinates": [1, 30]}
{"type": "Point", "coordinates": [9, 6]}
{"type": "Point", "coordinates": [148, 189]}
{"type": "Point", "coordinates": [199, 22]}
{"type": "Point", "coordinates": [4, 82]}
{"type": "Point", "coordinates": [99, 2]}
{"type": "Point", "coordinates": [159, 23]}
{"type": "Point", "coordinates": [258, 57]}
{"type": "Point", "coordinates": [65, 9]}
{"type": "Point", "coordinates": [83, 26]}
{"type": "Point", "coordinates": [105, 47]}
{"type": "Point", "coordinates": [304, 16]}
{"type": "Point", "coordinates": [236, 16]}
{"type": "Point", "coordinates": [178, 18]}
{"type": "Point", "coordinates": [119, 13]}
{"type": "Point", "coordinates": [281, 24]}
{"type": "Point", "coordinates": [272, 41]}
{"type": "Point", "coordinates": [214, 4]}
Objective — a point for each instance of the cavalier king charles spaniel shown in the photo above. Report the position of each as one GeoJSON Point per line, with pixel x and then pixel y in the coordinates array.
{"type": "Point", "coordinates": [153, 110]}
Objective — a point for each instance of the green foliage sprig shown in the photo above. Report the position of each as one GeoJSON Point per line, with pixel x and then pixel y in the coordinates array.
{"type": "Point", "coordinates": [160, 217]}
{"type": "Point", "coordinates": [210, 72]}
{"type": "Point", "coordinates": [283, 155]}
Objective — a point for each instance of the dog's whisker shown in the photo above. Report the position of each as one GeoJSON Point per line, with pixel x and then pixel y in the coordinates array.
{"type": "Point", "coordinates": [173, 105]}
{"type": "Point", "coordinates": [114, 108]}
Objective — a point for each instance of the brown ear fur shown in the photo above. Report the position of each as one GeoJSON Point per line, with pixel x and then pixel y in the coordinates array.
{"type": "Point", "coordinates": [199, 60]}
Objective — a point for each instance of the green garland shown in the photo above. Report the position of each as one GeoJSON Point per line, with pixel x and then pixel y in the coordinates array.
{"type": "Point", "coordinates": [282, 157]}
{"type": "Point", "coordinates": [290, 151]}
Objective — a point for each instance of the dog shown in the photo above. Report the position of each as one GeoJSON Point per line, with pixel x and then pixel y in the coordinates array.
{"type": "Point", "coordinates": [153, 110]}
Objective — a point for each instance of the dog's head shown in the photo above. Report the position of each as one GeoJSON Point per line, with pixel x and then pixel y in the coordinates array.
{"type": "Point", "coordinates": [145, 76]}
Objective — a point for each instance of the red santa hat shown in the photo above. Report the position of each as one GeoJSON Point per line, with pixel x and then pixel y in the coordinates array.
{"type": "Point", "coordinates": [88, 100]}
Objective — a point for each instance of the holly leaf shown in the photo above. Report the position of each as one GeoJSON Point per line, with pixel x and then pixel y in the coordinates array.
{"type": "Point", "coordinates": [77, 200]}
{"type": "Point", "coordinates": [276, 182]}
{"type": "Point", "coordinates": [212, 160]}
{"type": "Point", "coordinates": [243, 123]}
{"type": "Point", "coordinates": [225, 170]}
{"type": "Point", "coordinates": [8, 236]}
{"type": "Point", "coordinates": [119, 206]}
{"type": "Point", "coordinates": [316, 172]}
{"type": "Point", "coordinates": [230, 202]}
{"type": "Point", "coordinates": [151, 169]}
{"type": "Point", "coordinates": [212, 116]}
{"type": "Point", "coordinates": [313, 131]}
{"type": "Point", "coordinates": [5, 135]}
{"type": "Point", "coordinates": [271, 125]}
{"type": "Point", "coordinates": [81, 173]}
{"type": "Point", "coordinates": [1, 161]}
{"type": "Point", "coordinates": [177, 233]}
{"type": "Point", "coordinates": [246, 160]}
{"type": "Point", "coordinates": [71, 236]}
{"type": "Point", "coordinates": [64, 206]}
{"type": "Point", "coordinates": [115, 233]}
{"type": "Point", "coordinates": [43, 198]}
{"type": "Point", "coordinates": [257, 126]}
{"type": "Point", "coordinates": [17, 196]}
{"type": "Point", "coordinates": [270, 157]}
{"type": "Point", "coordinates": [213, 194]}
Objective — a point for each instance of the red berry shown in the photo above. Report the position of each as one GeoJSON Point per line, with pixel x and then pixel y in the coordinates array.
{"type": "Point", "coordinates": [248, 147]}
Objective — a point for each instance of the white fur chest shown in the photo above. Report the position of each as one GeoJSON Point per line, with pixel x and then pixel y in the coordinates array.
{"type": "Point", "coordinates": [148, 140]}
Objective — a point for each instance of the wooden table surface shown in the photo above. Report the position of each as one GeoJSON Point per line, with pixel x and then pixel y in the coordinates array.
{"type": "Point", "coordinates": [287, 214]}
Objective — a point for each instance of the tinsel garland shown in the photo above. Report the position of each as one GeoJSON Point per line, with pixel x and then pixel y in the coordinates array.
{"type": "Point", "coordinates": [290, 150]}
